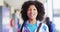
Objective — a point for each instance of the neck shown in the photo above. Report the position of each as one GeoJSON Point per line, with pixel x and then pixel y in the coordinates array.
{"type": "Point", "coordinates": [32, 21]}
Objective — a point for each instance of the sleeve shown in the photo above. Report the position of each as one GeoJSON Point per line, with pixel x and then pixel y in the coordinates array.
{"type": "Point", "coordinates": [45, 28]}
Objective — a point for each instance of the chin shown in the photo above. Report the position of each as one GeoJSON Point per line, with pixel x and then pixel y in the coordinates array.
{"type": "Point", "coordinates": [32, 18]}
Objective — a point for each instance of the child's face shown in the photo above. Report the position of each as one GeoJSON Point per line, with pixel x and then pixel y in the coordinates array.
{"type": "Point", "coordinates": [32, 12]}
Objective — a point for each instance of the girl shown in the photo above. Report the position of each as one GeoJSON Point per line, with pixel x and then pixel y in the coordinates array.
{"type": "Point", "coordinates": [32, 14]}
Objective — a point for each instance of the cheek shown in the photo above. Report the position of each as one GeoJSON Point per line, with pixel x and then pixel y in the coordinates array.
{"type": "Point", "coordinates": [36, 12]}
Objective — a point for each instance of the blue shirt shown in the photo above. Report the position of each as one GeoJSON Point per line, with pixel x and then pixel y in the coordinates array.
{"type": "Point", "coordinates": [32, 27]}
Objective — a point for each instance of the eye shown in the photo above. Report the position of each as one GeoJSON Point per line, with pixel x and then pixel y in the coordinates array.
{"type": "Point", "coordinates": [34, 9]}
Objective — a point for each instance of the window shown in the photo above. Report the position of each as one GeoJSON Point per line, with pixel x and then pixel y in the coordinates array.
{"type": "Point", "coordinates": [56, 14]}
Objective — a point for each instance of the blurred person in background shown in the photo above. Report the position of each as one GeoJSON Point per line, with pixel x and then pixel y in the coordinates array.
{"type": "Point", "coordinates": [50, 25]}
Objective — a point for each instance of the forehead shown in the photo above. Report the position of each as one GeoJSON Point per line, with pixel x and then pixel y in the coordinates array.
{"type": "Point", "coordinates": [32, 6]}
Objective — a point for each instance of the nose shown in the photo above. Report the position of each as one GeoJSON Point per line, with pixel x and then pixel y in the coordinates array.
{"type": "Point", "coordinates": [32, 10]}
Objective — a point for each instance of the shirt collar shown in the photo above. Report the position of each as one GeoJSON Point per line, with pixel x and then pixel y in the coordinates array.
{"type": "Point", "coordinates": [37, 22]}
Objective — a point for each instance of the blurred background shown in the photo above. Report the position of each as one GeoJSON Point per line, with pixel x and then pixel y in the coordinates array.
{"type": "Point", "coordinates": [11, 16]}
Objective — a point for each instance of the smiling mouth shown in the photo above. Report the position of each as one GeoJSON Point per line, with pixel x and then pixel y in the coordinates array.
{"type": "Point", "coordinates": [32, 14]}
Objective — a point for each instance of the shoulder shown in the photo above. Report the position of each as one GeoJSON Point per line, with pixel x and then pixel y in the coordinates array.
{"type": "Point", "coordinates": [43, 24]}
{"type": "Point", "coordinates": [45, 27]}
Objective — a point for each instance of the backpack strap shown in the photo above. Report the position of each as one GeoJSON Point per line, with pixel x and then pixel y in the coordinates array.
{"type": "Point", "coordinates": [39, 27]}
{"type": "Point", "coordinates": [22, 27]}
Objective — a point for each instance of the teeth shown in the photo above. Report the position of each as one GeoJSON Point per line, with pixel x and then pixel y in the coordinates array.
{"type": "Point", "coordinates": [31, 14]}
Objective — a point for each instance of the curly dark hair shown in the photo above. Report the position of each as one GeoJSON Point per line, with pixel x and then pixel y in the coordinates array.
{"type": "Point", "coordinates": [38, 5]}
